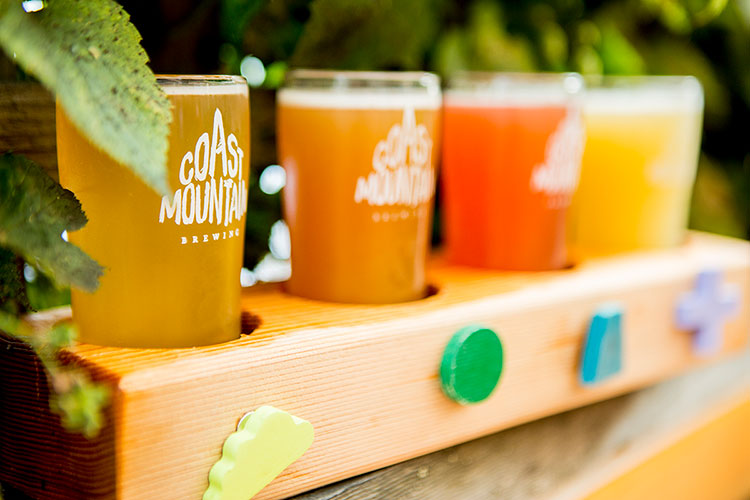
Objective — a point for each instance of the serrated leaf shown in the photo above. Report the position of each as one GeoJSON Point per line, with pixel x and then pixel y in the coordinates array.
{"type": "Point", "coordinates": [34, 211]}
{"type": "Point", "coordinates": [89, 54]}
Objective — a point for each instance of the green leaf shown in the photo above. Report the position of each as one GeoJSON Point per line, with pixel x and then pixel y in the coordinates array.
{"type": "Point", "coordinates": [710, 11]}
{"type": "Point", "coordinates": [79, 401]}
{"type": "Point", "coordinates": [619, 57]}
{"type": "Point", "coordinates": [376, 34]}
{"type": "Point", "coordinates": [89, 54]}
{"type": "Point", "coordinates": [44, 294]}
{"type": "Point", "coordinates": [81, 407]}
{"type": "Point", "coordinates": [10, 324]}
{"type": "Point", "coordinates": [451, 52]}
{"type": "Point", "coordinates": [13, 296]}
{"type": "Point", "coordinates": [275, 73]}
{"type": "Point", "coordinates": [493, 47]}
{"type": "Point", "coordinates": [61, 335]}
{"type": "Point", "coordinates": [586, 60]}
{"type": "Point", "coordinates": [34, 211]}
{"type": "Point", "coordinates": [553, 43]}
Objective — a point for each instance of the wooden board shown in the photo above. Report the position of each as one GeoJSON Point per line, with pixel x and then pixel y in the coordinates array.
{"type": "Point", "coordinates": [562, 457]}
{"type": "Point", "coordinates": [366, 376]}
{"type": "Point", "coordinates": [570, 455]}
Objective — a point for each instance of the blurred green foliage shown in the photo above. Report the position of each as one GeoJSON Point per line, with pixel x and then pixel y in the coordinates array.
{"type": "Point", "coordinates": [706, 38]}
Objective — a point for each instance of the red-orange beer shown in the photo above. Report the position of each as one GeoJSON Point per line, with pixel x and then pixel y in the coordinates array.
{"type": "Point", "coordinates": [359, 151]}
{"type": "Point", "coordinates": [511, 155]}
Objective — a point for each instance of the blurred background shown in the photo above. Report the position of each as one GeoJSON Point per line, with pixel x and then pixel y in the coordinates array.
{"type": "Point", "coordinates": [261, 39]}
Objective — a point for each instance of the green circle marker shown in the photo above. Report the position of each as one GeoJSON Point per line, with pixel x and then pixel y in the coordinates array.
{"type": "Point", "coordinates": [472, 364]}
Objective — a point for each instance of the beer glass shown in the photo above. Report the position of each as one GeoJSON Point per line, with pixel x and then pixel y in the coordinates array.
{"type": "Point", "coordinates": [638, 169]}
{"type": "Point", "coordinates": [359, 152]}
{"type": "Point", "coordinates": [512, 145]}
{"type": "Point", "coordinates": [172, 264]}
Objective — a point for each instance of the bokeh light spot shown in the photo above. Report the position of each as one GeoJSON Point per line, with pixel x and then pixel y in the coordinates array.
{"type": "Point", "coordinates": [272, 179]}
{"type": "Point", "coordinates": [253, 70]}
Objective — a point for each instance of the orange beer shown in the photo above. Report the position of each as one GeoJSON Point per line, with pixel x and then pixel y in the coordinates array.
{"type": "Point", "coordinates": [359, 153]}
{"type": "Point", "coordinates": [172, 263]}
{"type": "Point", "coordinates": [511, 154]}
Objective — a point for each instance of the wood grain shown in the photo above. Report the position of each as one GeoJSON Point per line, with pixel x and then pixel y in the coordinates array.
{"type": "Point", "coordinates": [28, 123]}
{"type": "Point", "coordinates": [551, 458]}
{"type": "Point", "coordinates": [366, 376]}
{"type": "Point", "coordinates": [37, 455]}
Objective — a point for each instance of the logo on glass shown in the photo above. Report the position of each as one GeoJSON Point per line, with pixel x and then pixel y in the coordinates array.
{"type": "Point", "coordinates": [557, 176]}
{"type": "Point", "coordinates": [402, 173]}
{"type": "Point", "coordinates": [209, 191]}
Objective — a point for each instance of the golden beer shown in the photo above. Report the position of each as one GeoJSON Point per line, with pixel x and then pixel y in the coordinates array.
{"type": "Point", "coordinates": [639, 163]}
{"type": "Point", "coordinates": [359, 152]}
{"type": "Point", "coordinates": [172, 263]}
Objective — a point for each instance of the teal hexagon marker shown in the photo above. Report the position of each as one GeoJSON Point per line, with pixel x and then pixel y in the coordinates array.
{"type": "Point", "coordinates": [472, 364]}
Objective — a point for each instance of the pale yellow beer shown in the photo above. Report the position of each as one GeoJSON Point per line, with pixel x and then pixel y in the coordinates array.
{"type": "Point", "coordinates": [172, 263]}
{"type": "Point", "coordinates": [642, 141]}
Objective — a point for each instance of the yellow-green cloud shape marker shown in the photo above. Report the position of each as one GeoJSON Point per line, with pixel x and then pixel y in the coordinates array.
{"type": "Point", "coordinates": [265, 443]}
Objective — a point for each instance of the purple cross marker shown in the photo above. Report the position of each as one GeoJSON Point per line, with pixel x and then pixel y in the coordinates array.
{"type": "Point", "coordinates": [704, 310]}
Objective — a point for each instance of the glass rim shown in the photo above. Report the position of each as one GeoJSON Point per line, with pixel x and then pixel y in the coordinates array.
{"type": "Point", "coordinates": [615, 82]}
{"type": "Point", "coordinates": [566, 83]}
{"type": "Point", "coordinates": [199, 80]}
{"type": "Point", "coordinates": [639, 77]}
{"type": "Point", "coordinates": [542, 76]}
{"type": "Point", "coordinates": [325, 79]}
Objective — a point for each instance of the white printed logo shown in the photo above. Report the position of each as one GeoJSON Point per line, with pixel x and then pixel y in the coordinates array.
{"type": "Point", "coordinates": [557, 177]}
{"type": "Point", "coordinates": [402, 173]}
{"type": "Point", "coordinates": [209, 192]}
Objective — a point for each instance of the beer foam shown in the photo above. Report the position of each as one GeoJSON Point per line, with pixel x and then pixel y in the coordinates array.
{"type": "Point", "coordinates": [205, 89]}
{"type": "Point", "coordinates": [358, 98]}
{"type": "Point", "coordinates": [530, 97]}
{"type": "Point", "coordinates": [644, 100]}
